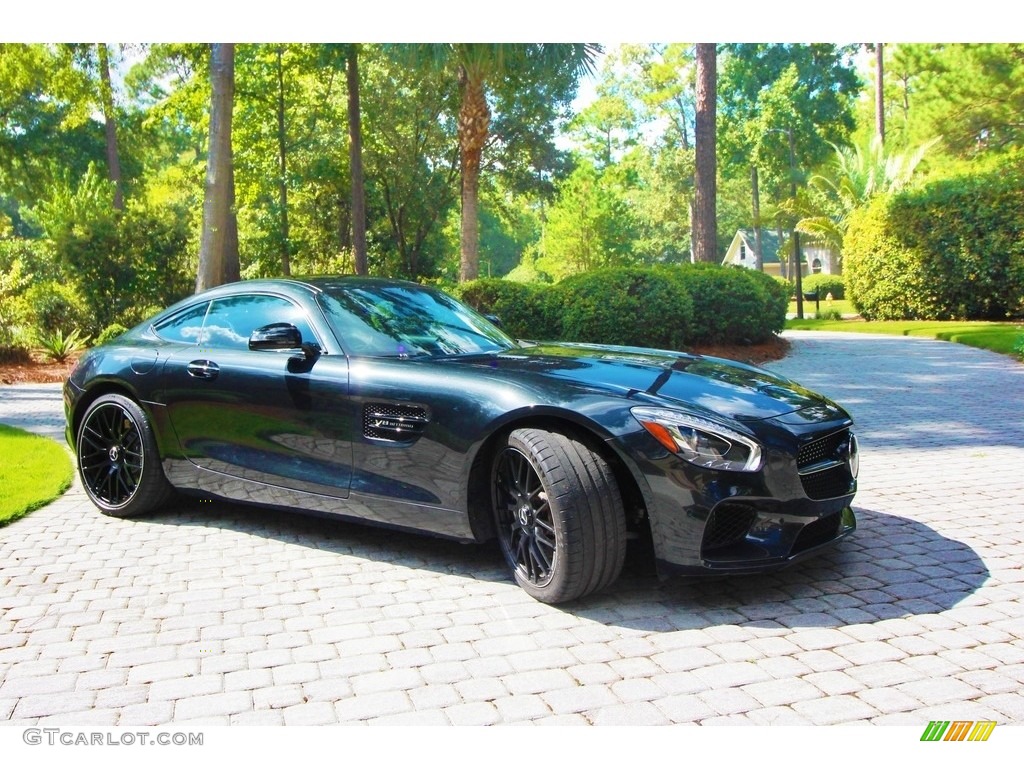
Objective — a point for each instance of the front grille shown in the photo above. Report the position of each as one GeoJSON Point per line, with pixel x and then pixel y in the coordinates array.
{"type": "Point", "coordinates": [728, 525]}
{"type": "Point", "coordinates": [820, 531]}
{"type": "Point", "coordinates": [390, 421]}
{"type": "Point", "coordinates": [820, 450]}
{"type": "Point", "coordinates": [828, 484]}
{"type": "Point", "coordinates": [834, 478]}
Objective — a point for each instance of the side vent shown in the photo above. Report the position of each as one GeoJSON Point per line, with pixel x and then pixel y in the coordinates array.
{"type": "Point", "coordinates": [394, 423]}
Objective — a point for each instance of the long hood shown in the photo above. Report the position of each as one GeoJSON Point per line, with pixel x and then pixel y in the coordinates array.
{"type": "Point", "coordinates": [711, 384]}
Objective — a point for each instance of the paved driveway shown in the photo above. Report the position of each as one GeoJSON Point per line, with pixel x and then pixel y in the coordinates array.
{"type": "Point", "coordinates": [215, 613]}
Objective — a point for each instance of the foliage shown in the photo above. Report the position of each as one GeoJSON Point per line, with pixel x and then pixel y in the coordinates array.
{"type": "Point", "coordinates": [110, 333]}
{"type": "Point", "coordinates": [670, 306]}
{"type": "Point", "coordinates": [624, 305]}
{"type": "Point", "coordinates": [59, 347]}
{"type": "Point", "coordinates": [56, 305]}
{"type": "Point", "coordinates": [828, 314]}
{"type": "Point", "coordinates": [855, 177]}
{"type": "Point", "coordinates": [122, 263]}
{"type": "Point", "coordinates": [731, 305]}
{"type": "Point", "coordinates": [764, 88]}
{"type": "Point", "coordinates": [1018, 347]}
{"type": "Point", "coordinates": [34, 470]}
{"type": "Point", "coordinates": [14, 310]}
{"type": "Point", "coordinates": [525, 310]}
{"type": "Point", "coordinates": [970, 94]}
{"type": "Point", "coordinates": [953, 249]}
{"type": "Point", "coordinates": [590, 224]}
{"type": "Point", "coordinates": [824, 285]}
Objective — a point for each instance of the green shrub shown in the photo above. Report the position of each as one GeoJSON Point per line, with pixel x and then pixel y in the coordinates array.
{"type": "Point", "coordinates": [110, 333]}
{"type": "Point", "coordinates": [59, 347]}
{"type": "Point", "coordinates": [523, 308]}
{"type": "Point", "coordinates": [54, 306]}
{"type": "Point", "coordinates": [625, 305]}
{"type": "Point", "coordinates": [731, 305]}
{"type": "Point", "coordinates": [14, 310]}
{"type": "Point", "coordinates": [824, 285]}
{"type": "Point", "coordinates": [953, 249]}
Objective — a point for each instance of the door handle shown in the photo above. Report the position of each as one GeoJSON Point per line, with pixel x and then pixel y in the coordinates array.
{"type": "Point", "coordinates": [203, 369]}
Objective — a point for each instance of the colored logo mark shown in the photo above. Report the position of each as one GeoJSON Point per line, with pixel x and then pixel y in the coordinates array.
{"type": "Point", "coordinates": [958, 730]}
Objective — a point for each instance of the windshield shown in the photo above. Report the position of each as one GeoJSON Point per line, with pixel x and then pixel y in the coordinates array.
{"type": "Point", "coordinates": [395, 320]}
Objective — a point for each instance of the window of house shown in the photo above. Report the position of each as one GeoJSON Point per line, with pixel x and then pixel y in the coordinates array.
{"type": "Point", "coordinates": [816, 266]}
{"type": "Point", "coordinates": [743, 251]}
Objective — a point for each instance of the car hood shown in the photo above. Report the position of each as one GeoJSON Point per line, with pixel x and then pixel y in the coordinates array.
{"type": "Point", "coordinates": [715, 385]}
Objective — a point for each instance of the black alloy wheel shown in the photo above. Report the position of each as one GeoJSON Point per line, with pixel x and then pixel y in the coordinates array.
{"type": "Point", "coordinates": [117, 458]}
{"type": "Point", "coordinates": [558, 514]}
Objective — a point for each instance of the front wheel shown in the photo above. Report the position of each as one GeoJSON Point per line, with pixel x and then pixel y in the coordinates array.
{"type": "Point", "coordinates": [559, 515]}
{"type": "Point", "coordinates": [118, 459]}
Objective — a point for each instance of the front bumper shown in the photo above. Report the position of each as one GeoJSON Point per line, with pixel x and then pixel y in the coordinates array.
{"type": "Point", "coordinates": [796, 505]}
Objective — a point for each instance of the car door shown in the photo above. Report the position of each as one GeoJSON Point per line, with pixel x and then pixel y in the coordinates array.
{"type": "Point", "coordinates": [274, 418]}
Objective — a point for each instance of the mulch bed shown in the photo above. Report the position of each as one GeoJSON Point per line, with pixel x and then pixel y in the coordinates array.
{"type": "Point", "coordinates": [38, 370]}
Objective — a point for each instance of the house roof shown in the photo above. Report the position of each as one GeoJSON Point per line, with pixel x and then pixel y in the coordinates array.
{"type": "Point", "coordinates": [769, 244]}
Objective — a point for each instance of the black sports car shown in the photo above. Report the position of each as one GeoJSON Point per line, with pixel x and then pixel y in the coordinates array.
{"type": "Point", "coordinates": [394, 404]}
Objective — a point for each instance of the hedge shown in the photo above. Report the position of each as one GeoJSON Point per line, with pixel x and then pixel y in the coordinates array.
{"type": "Point", "coordinates": [667, 307]}
{"type": "Point", "coordinates": [953, 249]}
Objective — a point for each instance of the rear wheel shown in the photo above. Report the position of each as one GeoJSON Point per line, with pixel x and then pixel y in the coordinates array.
{"type": "Point", "coordinates": [559, 515]}
{"type": "Point", "coordinates": [118, 459]}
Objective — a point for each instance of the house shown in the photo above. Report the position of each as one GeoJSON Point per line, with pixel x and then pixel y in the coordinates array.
{"type": "Point", "coordinates": [742, 254]}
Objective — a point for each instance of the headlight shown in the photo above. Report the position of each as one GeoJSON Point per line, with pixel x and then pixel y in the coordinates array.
{"type": "Point", "coordinates": [700, 441]}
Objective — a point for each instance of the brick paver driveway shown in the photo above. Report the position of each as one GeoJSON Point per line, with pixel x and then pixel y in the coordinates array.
{"type": "Point", "coordinates": [217, 613]}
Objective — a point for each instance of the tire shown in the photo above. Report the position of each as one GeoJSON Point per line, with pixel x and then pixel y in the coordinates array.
{"type": "Point", "coordinates": [118, 460]}
{"type": "Point", "coordinates": [559, 515]}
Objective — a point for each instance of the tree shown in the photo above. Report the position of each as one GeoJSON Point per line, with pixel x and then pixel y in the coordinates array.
{"type": "Point", "coordinates": [355, 161]}
{"type": "Point", "coordinates": [704, 227]}
{"type": "Point", "coordinates": [590, 224]}
{"type": "Point", "coordinates": [854, 178]}
{"type": "Point", "coordinates": [218, 250]}
{"type": "Point", "coordinates": [110, 125]}
{"type": "Point", "coordinates": [476, 65]}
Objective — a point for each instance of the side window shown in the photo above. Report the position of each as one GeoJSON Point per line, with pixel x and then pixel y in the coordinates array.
{"type": "Point", "coordinates": [185, 327]}
{"type": "Point", "coordinates": [232, 320]}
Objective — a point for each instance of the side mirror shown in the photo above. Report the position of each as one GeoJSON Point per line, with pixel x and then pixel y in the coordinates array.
{"type": "Point", "coordinates": [275, 336]}
{"type": "Point", "coordinates": [496, 320]}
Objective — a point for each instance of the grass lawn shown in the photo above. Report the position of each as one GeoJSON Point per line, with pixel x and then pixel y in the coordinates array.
{"type": "Point", "coordinates": [997, 337]}
{"type": "Point", "coordinates": [843, 306]}
{"type": "Point", "coordinates": [34, 471]}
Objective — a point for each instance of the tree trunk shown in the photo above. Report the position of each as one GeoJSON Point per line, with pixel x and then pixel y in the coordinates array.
{"type": "Point", "coordinates": [218, 259]}
{"type": "Point", "coordinates": [474, 123]}
{"type": "Point", "coordinates": [110, 125]}
{"type": "Point", "coordinates": [282, 166]}
{"type": "Point", "coordinates": [355, 161]}
{"type": "Point", "coordinates": [704, 218]}
{"type": "Point", "coordinates": [755, 194]}
{"type": "Point", "coordinates": [879, 94]}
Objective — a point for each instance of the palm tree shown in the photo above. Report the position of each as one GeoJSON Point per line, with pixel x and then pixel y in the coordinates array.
{"type": "Point", "coordinates": [857, 175]}
{"type": "Point", "coordinates": [476, 64]}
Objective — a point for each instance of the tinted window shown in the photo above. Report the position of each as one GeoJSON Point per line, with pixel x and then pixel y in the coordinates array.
{"type": "Point", "coordinates": [231, 321]}
{"type": "Point", "coordinates": [184, 327]}
{"type": "Point", "coordinates": [387, 320]}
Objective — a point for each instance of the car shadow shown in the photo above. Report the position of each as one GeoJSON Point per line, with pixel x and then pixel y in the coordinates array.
{"type": "Point", "coordinates": [892, 567]}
